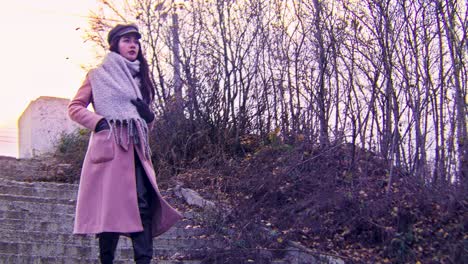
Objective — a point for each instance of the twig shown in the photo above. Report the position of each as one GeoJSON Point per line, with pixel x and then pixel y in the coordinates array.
{"type": "Point", "coordinates": [314, 157]}
{"type": "Point", "coordinates": [302, 248]}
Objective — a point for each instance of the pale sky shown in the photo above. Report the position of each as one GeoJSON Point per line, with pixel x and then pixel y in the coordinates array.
{"type": "Point", "coordinates": [42, 48]}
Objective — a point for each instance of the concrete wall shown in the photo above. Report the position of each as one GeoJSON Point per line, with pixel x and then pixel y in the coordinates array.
{"type": "Point", "coordinates": [41, 125]}
{"type": "Point", "coordinates": [24, 133]}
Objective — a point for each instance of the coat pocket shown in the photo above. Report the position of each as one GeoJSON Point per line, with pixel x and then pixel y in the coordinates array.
{"type": "Point", "coordinates": [101, 147]}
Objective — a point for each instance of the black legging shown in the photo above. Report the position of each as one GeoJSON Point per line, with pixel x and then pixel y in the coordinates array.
{"type": "Point", "coordinates": [142, 241]}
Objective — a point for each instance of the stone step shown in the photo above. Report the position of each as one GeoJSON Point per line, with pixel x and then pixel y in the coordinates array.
{"type": "Point", "coordinates": [27, 259]}
{"type": "Point", "coordinates": [11, 203]}
{"type": "Point", "coordinates": [59, 215]}
{"type": "Point", "coordinates": [30, 187]}
{"type": "Point", "coordinates": [67, 227]}
{"type": "Point", "coordinates": [63, 218]}
{"type": "Point", "coordinates": [36, 222]}
{"type": "Point", "coordinates": [51, 216]}
{"type": "Point", "coordinates": [38, 192]}
{"type": "Point", "coordinates": [86, 252]}
{"type": "Point", "coordinates": [69, 218]}
{"type": "Point", "coordinates": [49, 196]}
{"type": "Point", "coordinates": [16, 236]}
{"type": "Point", "coordinates": [28, 204]}
{"type": "Point", "coordinates": [54, 193]}
{"type": "Point", "coordinates": [36, 207]}
{"type": "Point", "coordinates": [39, 196]}
{"type": "Point", "coordinates": [35, 199]}
{"type": "Point", "coordinates": [40, 185]}
{"type": "Point", "coordinates": [42, 200]}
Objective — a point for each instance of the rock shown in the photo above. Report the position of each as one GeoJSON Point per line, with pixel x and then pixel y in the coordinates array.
{"type": "Point", "coordinates": [296, 256]}
{"type": "Point", "coordinates": [192, 197]}
{"type": "Point", "coordinates": [299, 254]}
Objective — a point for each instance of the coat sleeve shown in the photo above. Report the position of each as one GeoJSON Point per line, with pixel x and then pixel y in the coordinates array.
{"type": "Point", "coordinates": [77, 109]}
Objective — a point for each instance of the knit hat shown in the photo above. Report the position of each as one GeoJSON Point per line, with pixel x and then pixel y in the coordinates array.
{"type": "Point", "coordinates": [120, 30]}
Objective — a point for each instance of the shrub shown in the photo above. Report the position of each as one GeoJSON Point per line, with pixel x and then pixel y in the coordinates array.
{"type": "Point", "coordinates": [178, 143]}
{"type": "Point", "coordinates": [71, 149]}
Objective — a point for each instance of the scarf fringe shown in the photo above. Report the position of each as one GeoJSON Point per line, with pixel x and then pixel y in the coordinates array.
{"type": "Point", "coordinates": [137, 130]}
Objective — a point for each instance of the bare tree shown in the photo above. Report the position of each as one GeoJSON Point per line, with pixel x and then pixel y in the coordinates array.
{"type": "Point", "coordinates": [386, 75]}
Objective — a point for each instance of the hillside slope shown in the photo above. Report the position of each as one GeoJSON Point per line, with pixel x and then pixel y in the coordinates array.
{"type": "Point", "coordinates": [333, 200]}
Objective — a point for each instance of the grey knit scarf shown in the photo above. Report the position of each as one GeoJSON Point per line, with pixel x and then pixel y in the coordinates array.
{"type": "Point", "coordinates": [114, 84]}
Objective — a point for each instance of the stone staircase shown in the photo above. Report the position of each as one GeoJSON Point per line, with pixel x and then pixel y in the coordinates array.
{"type": "Point", "coordinates": [36, 221]}
{"type": "Point", "coordinates": [36, 224]}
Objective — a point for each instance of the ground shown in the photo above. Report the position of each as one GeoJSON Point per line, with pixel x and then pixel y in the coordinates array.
{"type": "Point", "coordinates": [335, 201]}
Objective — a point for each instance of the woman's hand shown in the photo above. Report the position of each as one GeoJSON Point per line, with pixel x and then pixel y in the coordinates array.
{"type": "Point", "coordinates": [143, 110]}
{"type": "Point", "coordinates": [101, 125]}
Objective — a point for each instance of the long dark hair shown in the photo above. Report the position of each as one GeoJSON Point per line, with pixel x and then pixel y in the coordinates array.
{"type": "Point", "coordinates": [147, 87]}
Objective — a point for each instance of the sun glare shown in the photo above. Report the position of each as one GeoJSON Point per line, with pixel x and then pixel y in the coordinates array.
{"type": "Point", "coordinates": [41, 56]}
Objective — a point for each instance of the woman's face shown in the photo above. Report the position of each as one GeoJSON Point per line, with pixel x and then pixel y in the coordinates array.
{"type": "Point", "coordinates": [129, 46]}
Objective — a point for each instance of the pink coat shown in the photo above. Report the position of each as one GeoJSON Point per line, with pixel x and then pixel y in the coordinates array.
{"type": "Point", "coordinates": [107, 197]}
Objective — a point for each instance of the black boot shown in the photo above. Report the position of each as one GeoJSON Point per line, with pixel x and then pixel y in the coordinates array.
{"type": "Point", "coordinates": [107, 245]}
{"type": "Point", "coordinates": [143, 244]}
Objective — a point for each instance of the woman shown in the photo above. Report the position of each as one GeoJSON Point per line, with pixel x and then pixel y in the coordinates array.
{"type": "Point", "coordinates": [118, 193]}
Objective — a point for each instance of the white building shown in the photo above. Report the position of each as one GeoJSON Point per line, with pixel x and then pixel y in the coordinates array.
{"type": "Point", "coordinates": [41, 125]}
